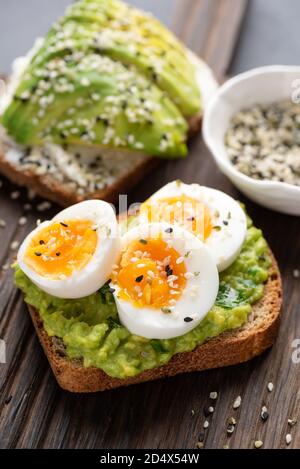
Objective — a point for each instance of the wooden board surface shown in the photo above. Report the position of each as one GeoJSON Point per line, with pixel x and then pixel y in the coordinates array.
{"type": "Point", "coordinates": [35, 413]}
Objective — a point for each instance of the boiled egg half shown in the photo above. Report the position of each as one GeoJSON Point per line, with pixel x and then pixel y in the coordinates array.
{"type": "Point", "coordinates": [72, 255]}
{"type": "Point", "coordinates": [166, 281]}
{"type": "Point", "coordinates": [214, 217]}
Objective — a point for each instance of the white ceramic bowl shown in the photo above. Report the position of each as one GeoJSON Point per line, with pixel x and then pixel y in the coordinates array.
{"type": "Point", "coordinates": [259, 86]}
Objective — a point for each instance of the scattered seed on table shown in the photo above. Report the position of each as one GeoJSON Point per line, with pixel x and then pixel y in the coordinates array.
{"type": "Point", "coordinates": [192, 412]}
{"type": "Point", "coordinates": [22, 221]}
{"type": "Point", "coordinates": [296, 273]}
{"type": "Point", "coordinates": [288, 439]}
{"type": "Point", "coordinates": [230, 429]}
{"type": "Point", "coordinates": [237, 402]}
{"type": "Point", "coordinates": [43, 206]}
{"type": "Point", "coordinates": [206, 424]}
{"type": "Point", "coordinates": [292, 422]}
{"type": "Point", "coordinates": [199, 445]}
{"type": "Point", "coordinates": [15, 195]}
{"type": "Point", "coordinates": [264, 414]}
{"type": "Point", "coordinates": [232, 421]}
{"type": "Point", "coordinates": [213, 395]}
{"type": "Point", "coordinates": [258, 444]}
{"type": "Point", "coordinates": [225, 446]}
{"type": "Point", "coordinates": [2, 223]}
{"type": "Point", "coordinates": [207, 411]}
{"type": "Point", "coordinates": [270, 387]}
{"type": "Point", "coordinates": [14, 245]}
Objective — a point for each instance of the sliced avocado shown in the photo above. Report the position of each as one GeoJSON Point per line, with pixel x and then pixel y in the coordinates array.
{"type": "Point", "coordinates": [97, 102]}
{"type": "Point", "coordinates": [107, 75]}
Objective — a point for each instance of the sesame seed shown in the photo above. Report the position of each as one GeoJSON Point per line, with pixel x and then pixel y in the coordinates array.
{"type": "Point", "coordinates": [180, 260]}
{"type": "Point", "coordinates": [296, 273]}
{"type": "Point", "coordinates": [258, 444]}
{"type": "Point", "coordinates": [15, 195]}
{"type": "Point", "coordinates": [14, 245]}
{"type": "Point", "coordinates": [139, 278]}
{"type": "Point", "coordinates": [213, 395]}
{"type": "Point", "coordinates": [206, 424]}
{"type": "Point", "coordinates": [264, 414]}
{"type": "Point", "coordinates": [169, 230]}
{"type": "Point", "coordinates": [292, 422]}
{"type": "Point", "coordinates": [270, 387]}
{"type": "Point", "coordinates": [38, 254]}
{"type": "Point", "coordinates": [43, 206]}
{"type": "Point", "coordinates": [288, 439]}
{"type": "Point", "coordinates": [188, 275]}
{"type": "Point", "coordinates": [22, 221]}
{"type": "Point", "coordinates": [230, 429]}
{"type": "Point", "coordinates": [64, 224]}
{"type": "Point", "coordinates": [199, 444]}
{"type": "Point", "coordinates": [188, 319]}
{"type": "Point", "coordinates": [237, 402]}
{"type": "Point", "coordinates": [2, 223]}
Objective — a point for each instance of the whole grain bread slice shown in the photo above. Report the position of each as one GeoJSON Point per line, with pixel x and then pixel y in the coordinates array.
{"type": "Point", "coordinates": [229, 348]}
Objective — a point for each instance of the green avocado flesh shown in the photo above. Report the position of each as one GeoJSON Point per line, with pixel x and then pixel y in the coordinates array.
{"type": "Point", "coordinates": [107, 75]}
{"type": "Point", "coordinates": [91, 331]}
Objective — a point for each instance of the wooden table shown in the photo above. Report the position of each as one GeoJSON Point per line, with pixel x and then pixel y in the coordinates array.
{"type": "Point", "coordinates": [36, 413]}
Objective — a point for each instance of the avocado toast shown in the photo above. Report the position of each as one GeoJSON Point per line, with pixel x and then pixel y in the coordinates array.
{"type": "Point", "coordinates": [86, 110]}
{"type": "Point", "coordinates": [90, 349]}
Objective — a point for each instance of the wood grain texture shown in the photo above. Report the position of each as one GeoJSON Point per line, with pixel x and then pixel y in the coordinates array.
{"type": "Point", "coordinates": [35, 413]}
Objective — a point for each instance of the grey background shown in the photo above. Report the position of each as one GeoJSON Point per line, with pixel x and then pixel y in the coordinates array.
{"type": "Point", "coordinates": [270, 33]}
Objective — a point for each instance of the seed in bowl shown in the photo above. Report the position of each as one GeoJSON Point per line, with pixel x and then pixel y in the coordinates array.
{"type": "Point", "coordinates": [263, 142]}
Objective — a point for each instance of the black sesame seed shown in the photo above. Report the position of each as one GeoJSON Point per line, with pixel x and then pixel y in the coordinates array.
{"type": "Point", "coordinates": [168, 270]}
{"type": "Point", "coordinates": [225, 222]}
{"type": "Point", "coordinates": [38, 254]}
{"type": "Point", "coordinates": [191, 219]}
{"type": "Point", "coordinates": [188, 319]}
{"type": "Point", "coordinates": [264, 416]}
{"type": "Point", "coordinates": [64, 224]}
{"type": "Point", "coordinates": [169, 230]}
{"type": "Point", "coordinates": [57, 254]}
{"type": "Point", "coordinates": [41, 242]}
{"type": "Point", "coordinates": [143, 241]}
{"type": "Point", "coordinates": [139, 278]}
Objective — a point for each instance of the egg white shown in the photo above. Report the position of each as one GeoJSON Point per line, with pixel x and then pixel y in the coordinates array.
{"type": "Point", "coordinates": [230, 226]}
{"type": "Point", "coordinates": [97, 272]}
{"type": "Point", "coordinates": [195, 301]}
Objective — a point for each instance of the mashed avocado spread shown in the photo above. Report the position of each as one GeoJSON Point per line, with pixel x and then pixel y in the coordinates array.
{"type": "Point", "coordinates": [90, 329]}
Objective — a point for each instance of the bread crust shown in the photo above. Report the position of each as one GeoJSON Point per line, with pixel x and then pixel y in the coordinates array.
{"type": "Point", "coordinates": [49, 188]}
{"type": "Point", "coordinates": [229, 348]}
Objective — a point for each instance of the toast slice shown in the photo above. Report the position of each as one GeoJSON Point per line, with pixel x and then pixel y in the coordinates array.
{"type": "Point", "coordinates": [229, 348]}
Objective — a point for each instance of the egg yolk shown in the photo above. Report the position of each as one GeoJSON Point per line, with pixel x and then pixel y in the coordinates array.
{"type": "Point", "coordinates": [151, 274]}
{"type": "Point", "coordinates": [182, 210]}
{"type": "Point", "coordinates": [62, 248]}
